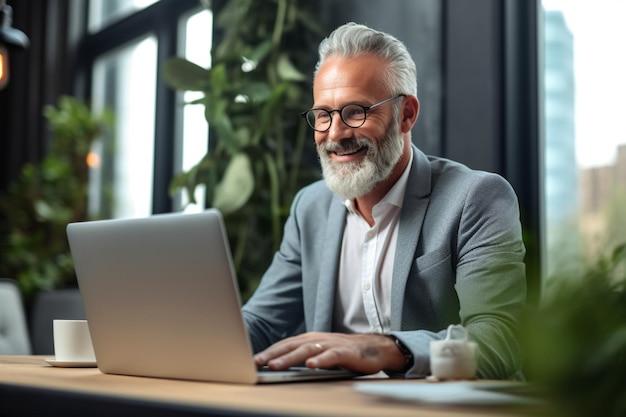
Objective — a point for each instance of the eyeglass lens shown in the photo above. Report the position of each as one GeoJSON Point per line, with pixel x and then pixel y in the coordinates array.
{"type": "Point", "coordinates": [352, 115]}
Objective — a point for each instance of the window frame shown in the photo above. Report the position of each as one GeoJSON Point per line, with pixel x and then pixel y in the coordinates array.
{"type": "Point", "coordinates": [160, 19]}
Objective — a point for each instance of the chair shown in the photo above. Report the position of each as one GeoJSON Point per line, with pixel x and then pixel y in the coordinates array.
{"type": "Point", "coordinates": [50, 305]}
{"type": "Point", "coordinates": [14, 338]}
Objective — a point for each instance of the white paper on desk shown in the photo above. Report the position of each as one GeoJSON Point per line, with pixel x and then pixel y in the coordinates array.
{"type": "Point", "coordinates": [445, 393]}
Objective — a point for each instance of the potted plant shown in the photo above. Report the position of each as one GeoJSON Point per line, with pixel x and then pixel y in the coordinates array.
{"type": "Point", "coordinates": [253, 96]}
{"type": "Point", "coordinates": [46, 197]}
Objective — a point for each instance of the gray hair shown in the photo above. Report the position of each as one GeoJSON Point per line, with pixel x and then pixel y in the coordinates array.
{"type": "Point", "coordinates": [351, 40]}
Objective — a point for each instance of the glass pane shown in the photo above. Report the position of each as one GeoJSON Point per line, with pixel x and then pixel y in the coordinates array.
{"type": "Point", "coordinates": [121, 178]}
{"type": "Point", "coordinates": [197, 39]}
{"type": "Point", "coordinates": [585, 137]}
{"type": "Point", "coordinates": [104, 12]}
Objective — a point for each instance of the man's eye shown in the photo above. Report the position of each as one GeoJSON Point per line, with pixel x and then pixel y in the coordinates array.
{"type": "Point", "coordinates": [353, 112]}
{"type": "Point", "coordinates": [322, 115]}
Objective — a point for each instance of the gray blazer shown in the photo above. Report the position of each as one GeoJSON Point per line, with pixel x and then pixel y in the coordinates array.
{"type": "Point", "coordinates": [459, 259]}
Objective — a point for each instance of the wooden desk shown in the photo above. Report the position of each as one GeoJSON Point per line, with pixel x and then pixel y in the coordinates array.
{"type": "Point", "coordinates": [29, 386]}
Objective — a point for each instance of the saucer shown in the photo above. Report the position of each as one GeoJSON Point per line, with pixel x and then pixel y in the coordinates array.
{"type": "Point", "coordinates": [71, 364]}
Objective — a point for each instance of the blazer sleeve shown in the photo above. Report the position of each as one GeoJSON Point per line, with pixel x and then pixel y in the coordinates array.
{"type": "Point", "coordinates": [287, 299]}
{"type": "Point", "coordinates": [275, 310]}
{"type": "Point", "coordinates": [491, 276]}
{"type": "Point", "coordinates": [477, 218]}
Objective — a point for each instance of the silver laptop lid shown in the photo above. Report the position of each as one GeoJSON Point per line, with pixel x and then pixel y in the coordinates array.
{"type": "Point", "coordinates": [161, 297]}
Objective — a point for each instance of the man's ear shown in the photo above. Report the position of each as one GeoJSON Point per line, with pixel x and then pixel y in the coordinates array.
{"type": "Point", "coordinates": [410, 111]}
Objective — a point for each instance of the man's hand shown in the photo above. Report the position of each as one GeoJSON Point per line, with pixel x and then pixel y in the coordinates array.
{"type": "Point", "coordinates": [365, 353]}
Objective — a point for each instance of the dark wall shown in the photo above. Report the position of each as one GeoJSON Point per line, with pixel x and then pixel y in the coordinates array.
{"type": "Point", "coordinates": [39, 75]}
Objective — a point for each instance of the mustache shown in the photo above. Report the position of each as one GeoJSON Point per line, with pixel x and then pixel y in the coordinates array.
{"type": "Point", "coordinates": [346, 144]}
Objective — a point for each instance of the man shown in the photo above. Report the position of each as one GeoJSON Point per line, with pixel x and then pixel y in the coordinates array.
{"type": "Point", "coordinates": [393, 246]}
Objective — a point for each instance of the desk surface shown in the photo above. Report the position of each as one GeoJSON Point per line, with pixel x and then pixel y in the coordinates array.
{"type": "Point", "coordinates": [28, 384]}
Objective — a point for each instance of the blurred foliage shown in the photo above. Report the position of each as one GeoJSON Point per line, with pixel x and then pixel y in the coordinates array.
{"type": "Point", "coordinates": [253, 96]}
{"type": "Point", "coordinates": [46, 197]}
{"type": "Point", "coordinates": [576, 340]}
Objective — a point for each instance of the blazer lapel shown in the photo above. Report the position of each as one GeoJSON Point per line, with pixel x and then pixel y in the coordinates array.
{"type": "Point", "coordinates": [327, 282]}
{"type": "Point", "coordinates": [416, 200]}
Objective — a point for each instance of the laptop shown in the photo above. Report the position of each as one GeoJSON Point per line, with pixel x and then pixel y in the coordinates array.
{"type": "Point", "coordinates": [161, 298]}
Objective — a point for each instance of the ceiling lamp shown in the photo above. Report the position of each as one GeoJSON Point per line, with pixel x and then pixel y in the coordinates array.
{"type": "Point", "coordinates": [9, 38]}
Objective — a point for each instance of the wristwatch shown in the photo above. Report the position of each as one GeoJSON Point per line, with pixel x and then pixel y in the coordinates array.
{"type": "Point", "coordinates": [408, 356]}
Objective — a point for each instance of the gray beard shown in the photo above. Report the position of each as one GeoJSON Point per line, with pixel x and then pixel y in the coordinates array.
{"type": "Point", "coordinates": [355, 179]}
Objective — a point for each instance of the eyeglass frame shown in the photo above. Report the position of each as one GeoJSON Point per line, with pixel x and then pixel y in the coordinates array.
{"type": "Point", "coordinates": [340, 111]}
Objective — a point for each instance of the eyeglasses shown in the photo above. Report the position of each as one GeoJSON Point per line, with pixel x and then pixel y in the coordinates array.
{"type": "Point", "coordinates": [353, 115]}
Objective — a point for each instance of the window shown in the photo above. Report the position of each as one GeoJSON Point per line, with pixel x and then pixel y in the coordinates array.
{"type": "Point", "coordinates": [105, 12]}
{"type": "Point", "coordinates": [155, 134]}
{"type": "Point", "coordinates": [124, 81]}
{"type": "Point", "coordinates": [585, 136]}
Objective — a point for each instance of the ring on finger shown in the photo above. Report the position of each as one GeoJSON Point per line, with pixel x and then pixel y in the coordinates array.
{"type": "Point", "coordinates": [319, 347]}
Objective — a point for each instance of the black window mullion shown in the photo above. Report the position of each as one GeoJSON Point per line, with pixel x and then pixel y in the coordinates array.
{"type": "Point", "coordinates": [522, 154]}
{"type": "Point", "coordinates": [165, 126]}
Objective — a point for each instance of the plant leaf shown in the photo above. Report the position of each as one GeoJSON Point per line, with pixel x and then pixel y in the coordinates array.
{"type": "Point", "coordinates": [261, 51]}
{"type": "Point", "coordinates": [287, 71]}
{"type": "Point", "coordinates": [217, 115]}
{"type": "Point", "coordinates": [184, 75]}
{"type": "Point", "coordinates": [236, 186]}
{"type": "Point", "coordinates": [219, 80]}
{"type": "Point", "coordinates": [258, 92]}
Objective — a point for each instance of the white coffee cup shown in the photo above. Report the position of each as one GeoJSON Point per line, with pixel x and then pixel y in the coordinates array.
{"type": "Point", "coordinates": [72, 341]}
{"type": "Point", "coordinates": [453, 358]}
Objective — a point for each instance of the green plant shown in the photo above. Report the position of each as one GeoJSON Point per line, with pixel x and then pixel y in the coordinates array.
{"type": "Point", "coordinates": [252, 96]}
{"type": "Point", "coordinates": [46, 197]}
{"type": "Point", "coordinates": [577, 339]}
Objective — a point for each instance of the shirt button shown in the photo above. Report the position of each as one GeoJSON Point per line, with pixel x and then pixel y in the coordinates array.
{"type": "Point", "coordinates": [366, 286]}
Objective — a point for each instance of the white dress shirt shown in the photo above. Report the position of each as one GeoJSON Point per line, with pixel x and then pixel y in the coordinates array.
{"type": "Point", "coordinates": [362, 301]}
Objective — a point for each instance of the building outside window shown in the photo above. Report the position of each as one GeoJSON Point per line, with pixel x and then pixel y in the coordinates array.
{"type": "Point", "coordinates": [585, 135]}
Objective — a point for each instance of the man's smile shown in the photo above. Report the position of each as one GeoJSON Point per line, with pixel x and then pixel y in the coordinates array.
{"type": "Point", "coordinates": [347, 151]}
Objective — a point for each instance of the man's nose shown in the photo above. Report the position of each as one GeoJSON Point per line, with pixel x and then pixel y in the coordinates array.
{"type": "Point", "coordinates": [338, 129]}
